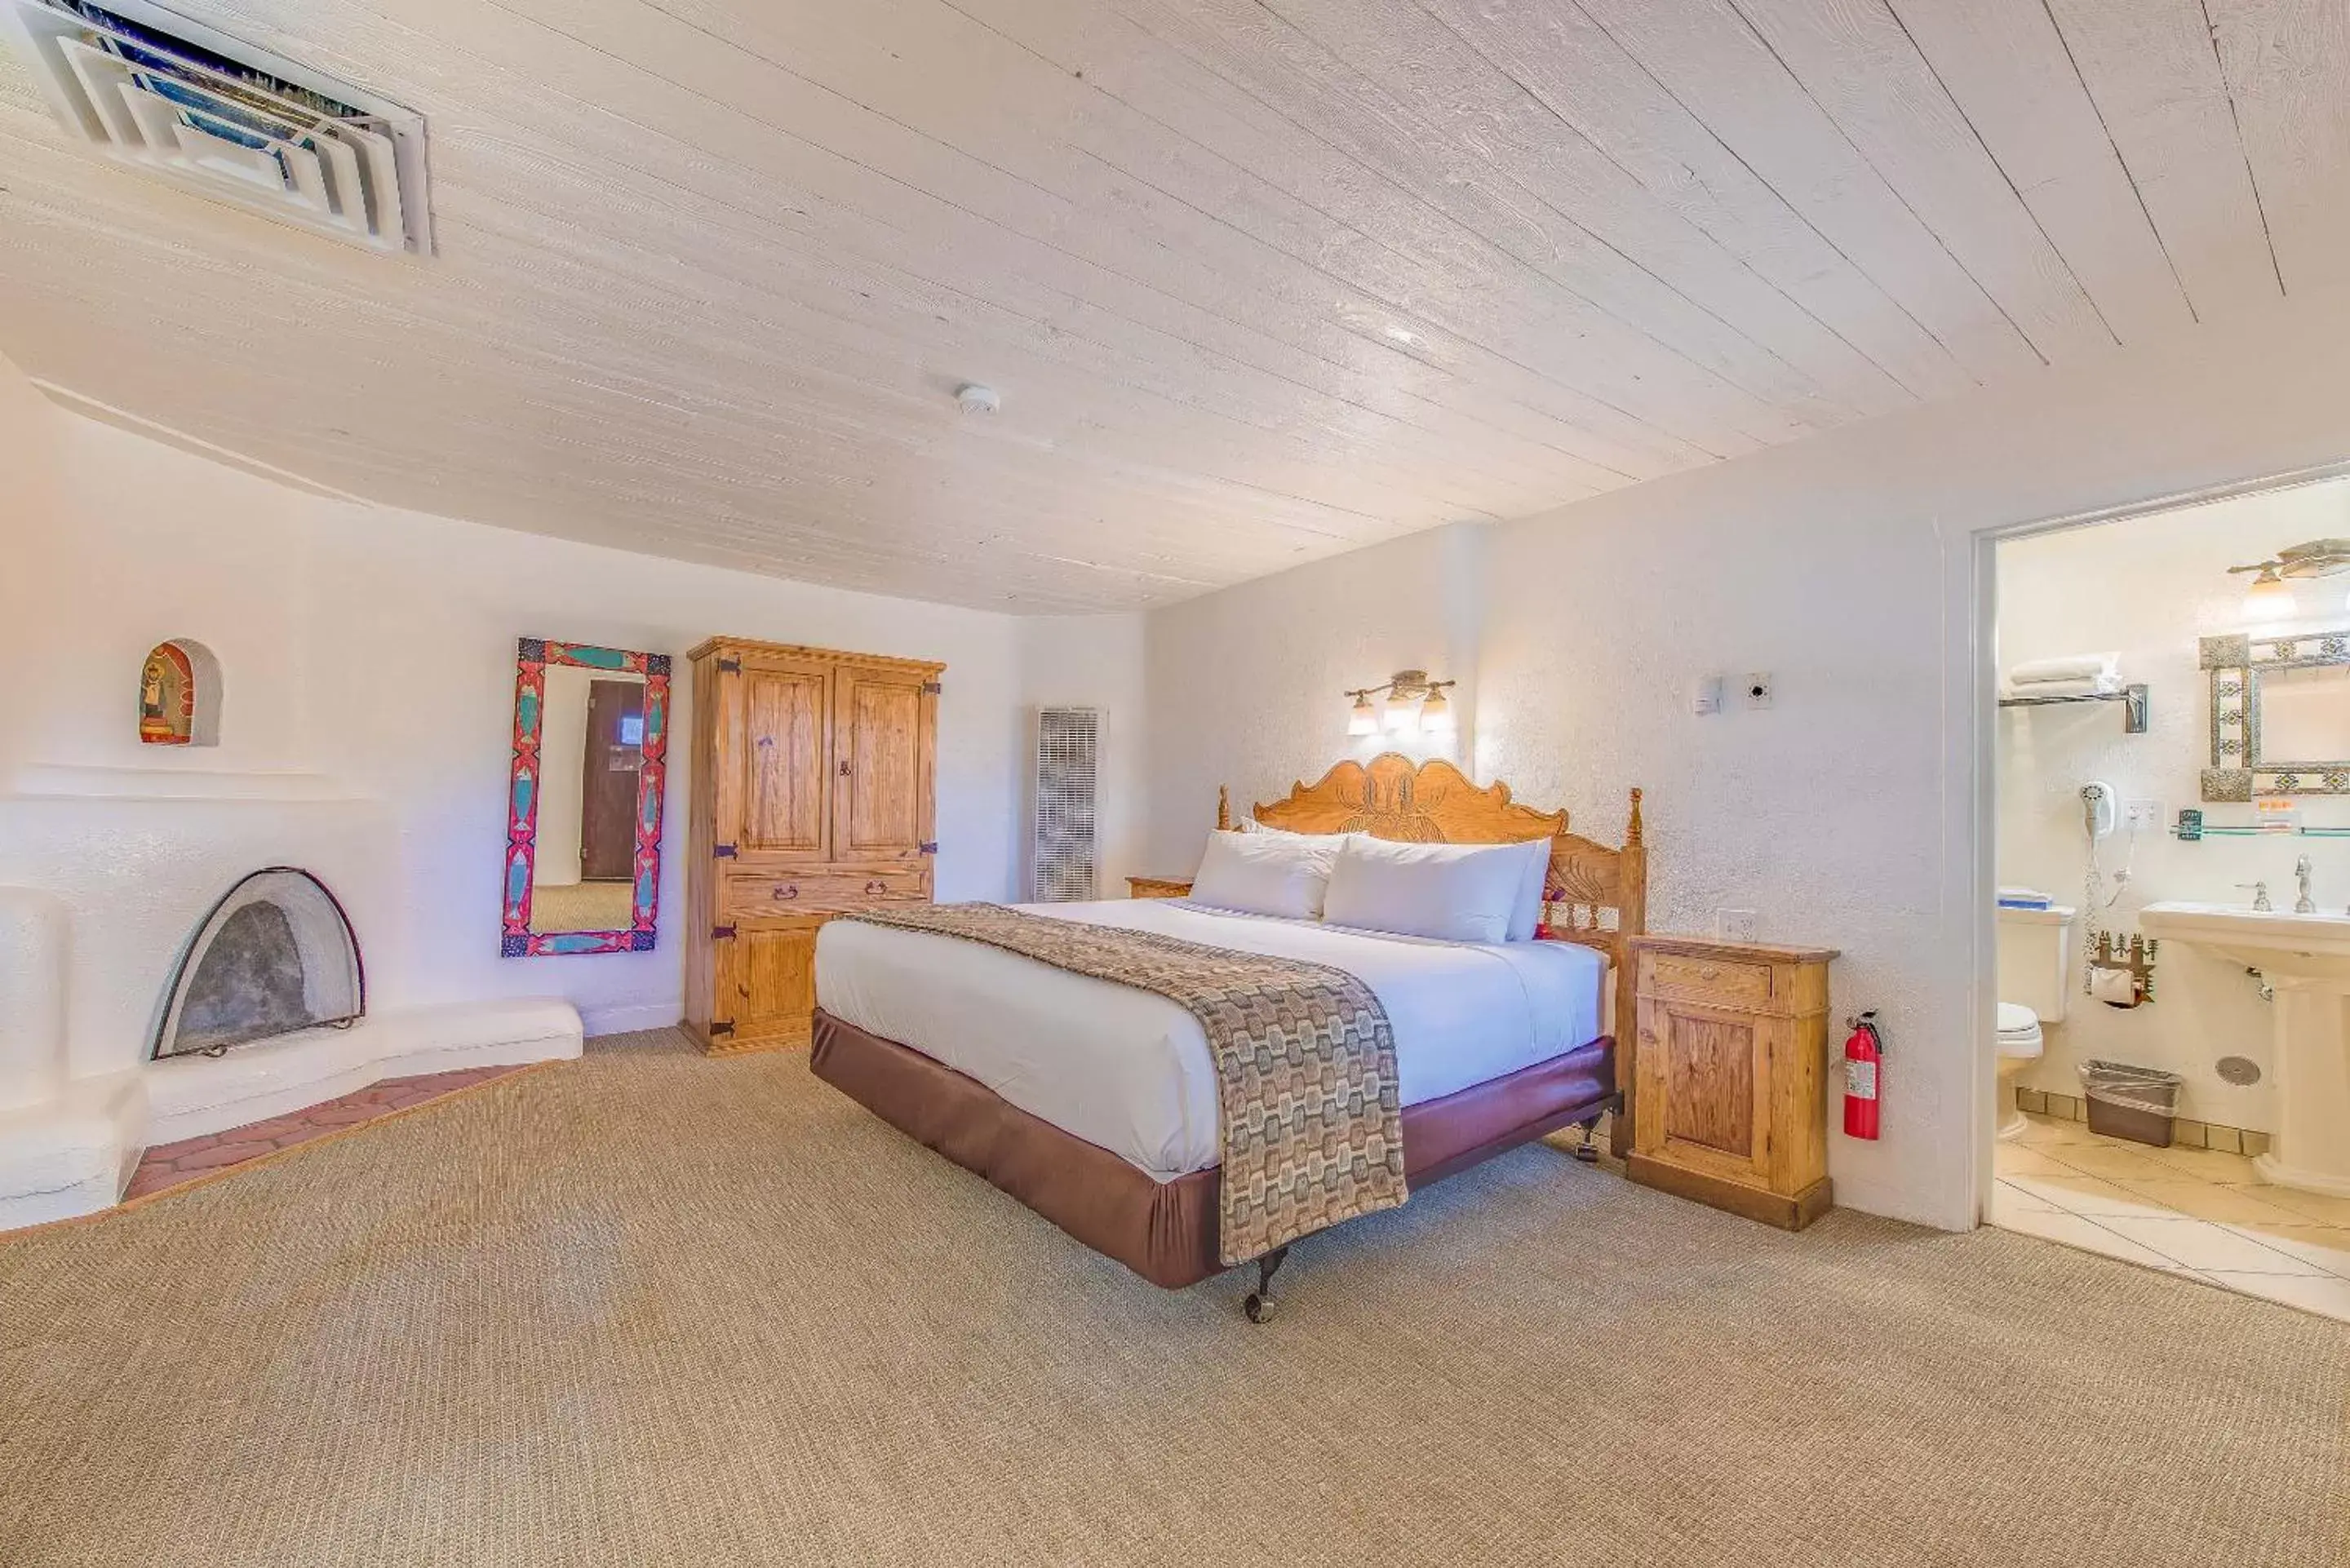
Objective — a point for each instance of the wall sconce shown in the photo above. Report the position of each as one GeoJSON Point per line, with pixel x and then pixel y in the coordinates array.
{"type": "Point", "coordinates": [1414, 705]}
{"type": "Point", "coordinates": [2270, 597]}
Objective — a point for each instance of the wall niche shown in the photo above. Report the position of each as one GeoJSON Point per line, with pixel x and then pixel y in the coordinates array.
{"type": "Point", "coordinates": [178, 695]}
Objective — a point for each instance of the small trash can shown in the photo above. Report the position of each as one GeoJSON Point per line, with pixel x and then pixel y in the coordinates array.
{"type": "Point", "coordinates": [2141, 1104]}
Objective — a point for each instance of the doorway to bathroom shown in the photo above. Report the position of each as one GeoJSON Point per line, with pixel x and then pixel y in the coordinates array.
{"type": "Point", "coordinates": [2171, 785]}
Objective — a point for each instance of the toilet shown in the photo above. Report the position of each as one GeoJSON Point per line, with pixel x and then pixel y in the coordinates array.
{"type": "Point", "coordinates": [2035, 969]}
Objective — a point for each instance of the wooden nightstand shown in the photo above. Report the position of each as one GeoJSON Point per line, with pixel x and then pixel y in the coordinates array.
{"type": "Point", "coordinates": [1158, 888]}
{"type": "Point", "coordinates": [1730, 1075]}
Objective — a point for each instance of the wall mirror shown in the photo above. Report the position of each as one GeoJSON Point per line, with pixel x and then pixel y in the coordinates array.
{"type": "Point", "coordinates": [584, 800]}
{"type": "Point", "coordinates": [2280, 714]}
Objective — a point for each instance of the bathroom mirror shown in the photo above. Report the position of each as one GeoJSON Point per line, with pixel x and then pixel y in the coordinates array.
{"type": "Point", "coordinates": [584, 800]}
{"type": "Point", "coordinates": [2280, 715]}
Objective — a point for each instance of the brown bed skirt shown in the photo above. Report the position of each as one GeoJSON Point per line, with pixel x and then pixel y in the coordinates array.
{"type": "Point", "coordinates": [1165, 1230]}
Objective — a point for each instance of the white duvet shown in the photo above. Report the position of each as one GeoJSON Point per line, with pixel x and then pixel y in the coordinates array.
{"type": "Point", "coordinates": [1130, 1071]}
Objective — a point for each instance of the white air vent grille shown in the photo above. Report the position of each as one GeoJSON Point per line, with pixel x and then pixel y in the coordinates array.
{"type": "Point", "coordinates": [190, 105]}
{"type": "Point", "coordinates": [1069, 747]}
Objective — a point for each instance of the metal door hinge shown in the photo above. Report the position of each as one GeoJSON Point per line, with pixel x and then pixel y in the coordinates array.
{"type": "Point", "coordinates": [722, 933]}
{"type": "Point", "coordinates": [719, 1027]}
{"type": "Point", "coordinates": [730, 666]}
{"type": "Point", "coordinates": [933, 688]}
{"type": "Point", "coordinates": [930, 847]}
{"type": "Point", "coordinates": [722, 851]}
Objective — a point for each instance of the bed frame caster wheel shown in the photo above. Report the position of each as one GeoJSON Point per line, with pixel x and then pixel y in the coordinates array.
{"type": "Point", "coordinates": [1259, 1306]}
{"type": "Point", "coordinates": [1586, 1151]}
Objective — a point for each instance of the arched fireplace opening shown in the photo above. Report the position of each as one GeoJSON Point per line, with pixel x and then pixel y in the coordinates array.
{"type": "Point", "coordinates": [275, 955]}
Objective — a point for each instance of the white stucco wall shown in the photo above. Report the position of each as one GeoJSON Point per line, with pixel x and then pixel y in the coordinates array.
{"type": "Point", "coordinates": [368, 661]}
{"type": "Point", "coordinates": [1843, 565]}
{"type": "Point", "coordinates": [2149, 589]}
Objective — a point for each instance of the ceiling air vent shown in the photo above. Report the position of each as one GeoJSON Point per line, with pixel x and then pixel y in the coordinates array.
{"type": "Point", "coordinates": [1068, 746]}
{"type": "Point", "coordinates": [190, 105]}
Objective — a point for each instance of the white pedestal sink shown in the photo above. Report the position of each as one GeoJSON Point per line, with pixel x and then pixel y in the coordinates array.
{"type": "Point", "coordinates": [2307, 957]}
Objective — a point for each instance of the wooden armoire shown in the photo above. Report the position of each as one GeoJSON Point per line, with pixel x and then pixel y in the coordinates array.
{"type": "Point", "coordinates": [814, 793]}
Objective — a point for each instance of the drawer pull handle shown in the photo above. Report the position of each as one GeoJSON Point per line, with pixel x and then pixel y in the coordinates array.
{"type": "Point", "coordinates": [877, 886]}
{"type": "Point", "coordinates": [788, 890]}
{"type": "Point", "coordinates": [1709, 973]}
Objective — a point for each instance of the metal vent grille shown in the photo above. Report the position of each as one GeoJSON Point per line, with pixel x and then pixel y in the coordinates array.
{"type": "Point", "coordinates": [1068, 750]}
{"type": "Point", "coordinates": [187, 104]}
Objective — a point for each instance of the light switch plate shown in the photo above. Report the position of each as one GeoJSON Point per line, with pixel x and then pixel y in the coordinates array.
{"type": "Point", "coordinates": [2142, 815]}
{"type": "Point", "coordinates": [1705, 694]}
{"type": "Point", "coordinates": [1735, 925]}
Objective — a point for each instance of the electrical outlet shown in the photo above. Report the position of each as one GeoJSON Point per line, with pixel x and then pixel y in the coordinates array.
{"type": "Point", "coordinates": [2143, 815]}
{"type": "Point", "coordinates": [1757, 687]}
{"type": "Point", "coordinates": [1734, 925]}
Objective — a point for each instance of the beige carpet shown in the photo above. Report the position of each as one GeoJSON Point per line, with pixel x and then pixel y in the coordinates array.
{"type": "Point", "coordinates": [651, 1309]}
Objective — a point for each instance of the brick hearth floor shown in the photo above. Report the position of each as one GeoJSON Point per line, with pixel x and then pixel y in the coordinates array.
{"type": "Point", "coordinates": [169, 1165]}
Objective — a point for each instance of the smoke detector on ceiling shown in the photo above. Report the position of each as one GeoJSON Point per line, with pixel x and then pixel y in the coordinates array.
{"type": "Point", "coordinates": [187, 104]}
{"type": "Point", "coordinates": [973, 398]}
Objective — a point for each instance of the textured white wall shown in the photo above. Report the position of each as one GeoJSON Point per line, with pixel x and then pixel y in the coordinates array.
{"type": "Point", "coordinates": [1843, 565]}
{"type": "Point", "coordinates": [2149, 588]}
{"type": "Point", "coordinates": [369, 654]}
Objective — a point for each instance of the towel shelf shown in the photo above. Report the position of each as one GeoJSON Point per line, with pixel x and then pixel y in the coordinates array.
{"type": "Point", "coordinates": [2132, 698]}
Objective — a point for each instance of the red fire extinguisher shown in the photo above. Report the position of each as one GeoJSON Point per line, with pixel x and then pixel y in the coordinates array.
{"type": "Point", "coordinates": [1864, 1053]}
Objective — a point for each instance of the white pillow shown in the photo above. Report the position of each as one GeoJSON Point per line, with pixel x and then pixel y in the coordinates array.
{"type": "Point", "coordinates": [1266, 874]}
{"type": "Point", "coordinates": [1527, 913]}
{"type": "Point", "coordinates": [1456, 892]}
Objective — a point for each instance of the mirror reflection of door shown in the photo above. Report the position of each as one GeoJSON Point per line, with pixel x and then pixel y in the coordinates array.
{"type": "Point", "coordinates": [592, 751]}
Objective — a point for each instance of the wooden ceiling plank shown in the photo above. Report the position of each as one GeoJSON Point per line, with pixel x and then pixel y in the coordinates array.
{"type": "Point", "coordinates": [2006, 67]}
{"type": "Point", "coordinates": [1653, 266]}
{"type": "Point", "coordinates": [1717, 66]}
{"type": "Point", "coordinates": [1857, 63]}
{"type": "Point", "coordinates": [1580, 74]}
{"type": "Point", "coordinates": [1633, 444]}
{"type": "Point", "coordinates": [2287, 65]}
{"type": "Point", "coordinates": [2152, 71]}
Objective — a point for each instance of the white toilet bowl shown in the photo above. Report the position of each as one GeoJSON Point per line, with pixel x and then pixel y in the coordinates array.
{"type": "Point", "coordinates": [2019, 1045]}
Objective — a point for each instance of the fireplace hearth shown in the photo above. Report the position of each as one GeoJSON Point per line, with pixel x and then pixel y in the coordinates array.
{"type": "Point", "coordinates": [275, 956]}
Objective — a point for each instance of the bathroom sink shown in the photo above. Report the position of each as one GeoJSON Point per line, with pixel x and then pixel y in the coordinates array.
{"type": "Point", "coordinates": [2305, 960]}
{"type": "Point", "coordinates": [2280, 945]}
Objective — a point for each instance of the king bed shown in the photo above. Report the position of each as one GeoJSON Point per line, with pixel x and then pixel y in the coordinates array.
{"type": "Point", "coordinates": [1028, 1047]}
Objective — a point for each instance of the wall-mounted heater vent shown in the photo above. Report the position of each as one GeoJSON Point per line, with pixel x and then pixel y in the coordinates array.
{"type": "Point", "coordinates": [187, 104]}
{"type": "Point", "coordinates": [1068, 749]}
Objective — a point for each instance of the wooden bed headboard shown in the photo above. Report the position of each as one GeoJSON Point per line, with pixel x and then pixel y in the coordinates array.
{"type": "Point", "coordinates": [1604, 892]}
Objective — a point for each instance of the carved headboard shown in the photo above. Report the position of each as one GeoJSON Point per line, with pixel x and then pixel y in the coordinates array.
{"type": "Point", "coordinates": [1602, 893]}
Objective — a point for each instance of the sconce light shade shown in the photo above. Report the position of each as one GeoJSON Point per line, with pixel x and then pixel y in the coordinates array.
{"type": "Point", "coordinates": [1363, 720]}
{"type": "Point", "coordinates": [2269, 598]}
{"type": "Point", "coordinates": [1436, 714]}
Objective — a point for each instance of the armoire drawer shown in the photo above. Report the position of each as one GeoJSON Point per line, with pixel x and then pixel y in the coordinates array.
{"type": "Point", "coordinates": [826, 887]}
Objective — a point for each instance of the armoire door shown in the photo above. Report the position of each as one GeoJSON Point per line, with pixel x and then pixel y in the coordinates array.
{"type": "Point", "coordinates": [766, 985]}
{"type": "Point", "coordinates": [884, 730]}
{"type": "Point", "coordinates": [773, 741]}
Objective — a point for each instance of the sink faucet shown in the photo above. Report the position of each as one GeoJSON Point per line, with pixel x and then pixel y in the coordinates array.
{"type": "Point", "coordinates": [2304, 905]}
{"type": "Point", "coordinates": [2261, 904]}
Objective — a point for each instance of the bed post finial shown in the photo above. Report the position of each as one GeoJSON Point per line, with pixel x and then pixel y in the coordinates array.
{"type": "Point", "coordinates": [1224, 809]}
{"type": "Point", "coordinates": [1632, 833]}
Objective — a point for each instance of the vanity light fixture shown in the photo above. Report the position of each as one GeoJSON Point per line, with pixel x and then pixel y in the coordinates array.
{"type": "Point", "coordinates": [2270, 597]}
{"type": "Point", "coordinates": [1414, 703]}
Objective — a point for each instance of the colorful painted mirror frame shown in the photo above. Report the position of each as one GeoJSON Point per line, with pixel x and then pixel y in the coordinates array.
{"type": "Point", "coordinates": [532, 655]}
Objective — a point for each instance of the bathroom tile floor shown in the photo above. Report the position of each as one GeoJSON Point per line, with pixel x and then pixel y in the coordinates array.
{"type": "Point", "coordinates": [2192, 1211]}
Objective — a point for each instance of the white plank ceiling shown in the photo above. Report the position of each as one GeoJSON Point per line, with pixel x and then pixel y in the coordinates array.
{"type": "Point", "coordinates": [1259, 280]}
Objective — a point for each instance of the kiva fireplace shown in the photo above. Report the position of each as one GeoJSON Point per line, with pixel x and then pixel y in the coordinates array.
{"type": "Point", "coordinates": [277, 955]}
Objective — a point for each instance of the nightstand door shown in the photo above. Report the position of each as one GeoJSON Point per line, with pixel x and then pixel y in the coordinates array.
{"type": "Point", "coordinates": [1704, 1099]}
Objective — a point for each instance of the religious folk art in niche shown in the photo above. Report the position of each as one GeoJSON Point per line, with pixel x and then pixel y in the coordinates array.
{"type": "Point", "coordinates": [167, 698]}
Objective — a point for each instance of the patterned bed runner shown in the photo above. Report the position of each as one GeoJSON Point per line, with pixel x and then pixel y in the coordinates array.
{"type": "Point", "coordinates": [1306, 1073]}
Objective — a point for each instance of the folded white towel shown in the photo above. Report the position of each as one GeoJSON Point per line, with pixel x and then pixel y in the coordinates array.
{"type": "Point", "coordinates": [2098, 686]}
{"type": "Point", "coordinates": [2068, 667]}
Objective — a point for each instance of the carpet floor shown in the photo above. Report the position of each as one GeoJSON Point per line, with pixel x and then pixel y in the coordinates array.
{"type": "Point", "coordinates": [651, 1309]}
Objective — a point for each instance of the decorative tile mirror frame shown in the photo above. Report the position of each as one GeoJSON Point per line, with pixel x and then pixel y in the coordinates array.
{"type": "Point", "coordinates": [534, 657]}
{"type": "Point", "coordinates": [2239, 770]}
